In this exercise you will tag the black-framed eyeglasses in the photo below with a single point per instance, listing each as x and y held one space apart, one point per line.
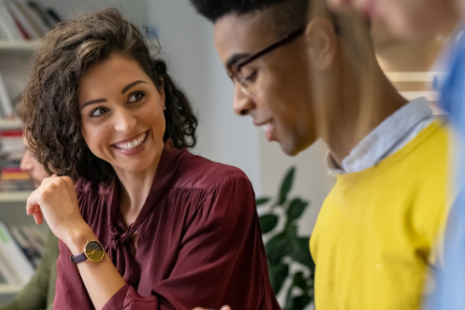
234 70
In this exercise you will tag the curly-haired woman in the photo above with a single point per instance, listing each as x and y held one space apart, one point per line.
147 225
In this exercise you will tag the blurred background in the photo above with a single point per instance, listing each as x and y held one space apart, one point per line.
187 44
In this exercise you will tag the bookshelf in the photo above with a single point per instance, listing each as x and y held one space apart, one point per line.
19 196
17 46
14 60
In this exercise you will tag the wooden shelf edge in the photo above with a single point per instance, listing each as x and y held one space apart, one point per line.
10 123
26 46
17 196
10 289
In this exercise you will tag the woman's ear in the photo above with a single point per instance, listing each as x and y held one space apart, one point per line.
321 41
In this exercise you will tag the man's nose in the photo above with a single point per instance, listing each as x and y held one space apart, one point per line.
242 103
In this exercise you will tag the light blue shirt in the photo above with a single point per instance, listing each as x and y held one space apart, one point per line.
386 139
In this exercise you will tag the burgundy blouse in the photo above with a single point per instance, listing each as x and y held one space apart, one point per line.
198 244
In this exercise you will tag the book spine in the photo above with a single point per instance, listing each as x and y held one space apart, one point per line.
53 15
36 7
32 17
36 241
8 24
6 271
14 257
22 21
5 102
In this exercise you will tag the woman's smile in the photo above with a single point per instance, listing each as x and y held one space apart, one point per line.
129 144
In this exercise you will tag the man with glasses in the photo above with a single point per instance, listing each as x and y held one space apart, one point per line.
302 80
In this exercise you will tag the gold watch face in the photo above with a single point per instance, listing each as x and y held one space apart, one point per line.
94 251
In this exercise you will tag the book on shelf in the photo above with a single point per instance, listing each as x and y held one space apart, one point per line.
3 279
53 15
25 20
22 21
32 247
47 19
13 257
32 17
12 178
36 239
11 142
7 273
6 105
7 24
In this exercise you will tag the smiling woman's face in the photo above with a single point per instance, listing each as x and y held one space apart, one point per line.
407 19
122 114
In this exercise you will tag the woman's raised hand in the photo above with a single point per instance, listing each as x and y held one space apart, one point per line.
56 201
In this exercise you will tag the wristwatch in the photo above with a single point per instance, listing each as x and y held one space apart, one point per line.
93 251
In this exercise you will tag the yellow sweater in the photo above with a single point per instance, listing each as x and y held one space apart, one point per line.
373 239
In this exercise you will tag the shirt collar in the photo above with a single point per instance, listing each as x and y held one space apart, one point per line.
382 140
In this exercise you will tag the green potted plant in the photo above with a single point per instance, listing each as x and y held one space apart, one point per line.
284 247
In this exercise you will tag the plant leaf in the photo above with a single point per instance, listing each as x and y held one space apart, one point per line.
301 253
296 208
286 186
299 281
276 248
261 201
291 231
300 302
278 274
268 222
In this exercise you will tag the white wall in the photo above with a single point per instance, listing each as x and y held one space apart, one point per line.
186 40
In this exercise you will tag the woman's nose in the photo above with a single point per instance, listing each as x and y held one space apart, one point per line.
125 120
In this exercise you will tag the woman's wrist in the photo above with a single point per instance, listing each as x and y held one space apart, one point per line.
77 238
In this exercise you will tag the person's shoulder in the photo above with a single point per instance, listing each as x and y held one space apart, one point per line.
199 172
88 188
91 195
434 141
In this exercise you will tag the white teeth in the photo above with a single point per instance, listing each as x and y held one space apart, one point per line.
266 126
132 144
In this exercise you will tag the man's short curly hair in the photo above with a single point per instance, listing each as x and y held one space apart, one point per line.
50 109
286 15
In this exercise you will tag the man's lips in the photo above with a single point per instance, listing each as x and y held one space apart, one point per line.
267 127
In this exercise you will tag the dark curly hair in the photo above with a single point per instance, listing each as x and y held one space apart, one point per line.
286 15
49 107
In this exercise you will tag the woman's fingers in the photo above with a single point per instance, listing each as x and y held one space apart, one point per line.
38 217
33 208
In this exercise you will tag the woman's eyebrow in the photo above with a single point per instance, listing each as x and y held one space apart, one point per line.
126 88
92 102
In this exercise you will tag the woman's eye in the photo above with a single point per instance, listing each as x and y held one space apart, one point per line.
136 97
98 112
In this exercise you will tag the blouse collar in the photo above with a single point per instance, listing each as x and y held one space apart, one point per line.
164 177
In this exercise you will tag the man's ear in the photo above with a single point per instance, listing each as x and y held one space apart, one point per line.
321 41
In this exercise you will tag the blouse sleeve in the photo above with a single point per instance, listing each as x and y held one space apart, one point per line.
221 259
